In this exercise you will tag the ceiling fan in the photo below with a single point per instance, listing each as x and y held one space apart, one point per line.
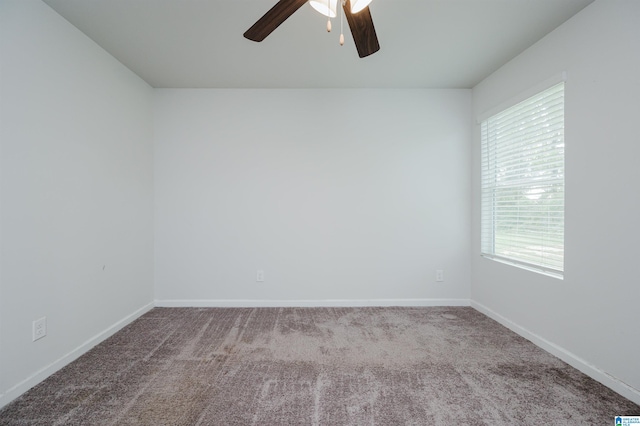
360 22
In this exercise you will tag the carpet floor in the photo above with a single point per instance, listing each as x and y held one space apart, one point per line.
317 366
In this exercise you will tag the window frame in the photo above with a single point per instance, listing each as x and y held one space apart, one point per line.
485 240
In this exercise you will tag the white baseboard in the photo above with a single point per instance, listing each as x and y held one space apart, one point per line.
45 372
590 370
255 303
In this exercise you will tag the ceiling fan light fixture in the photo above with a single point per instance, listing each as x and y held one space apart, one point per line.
358 5
326 7
360 24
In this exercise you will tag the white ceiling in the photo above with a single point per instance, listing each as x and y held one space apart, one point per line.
424 43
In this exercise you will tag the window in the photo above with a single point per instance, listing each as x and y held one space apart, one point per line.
523 183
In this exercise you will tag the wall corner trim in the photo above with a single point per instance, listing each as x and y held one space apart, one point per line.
573 360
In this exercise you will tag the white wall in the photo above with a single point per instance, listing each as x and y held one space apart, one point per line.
591 317
76 189
355 196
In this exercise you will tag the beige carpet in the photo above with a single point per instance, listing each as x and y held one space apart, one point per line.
317 366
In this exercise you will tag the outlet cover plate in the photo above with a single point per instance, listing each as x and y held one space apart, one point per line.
39 328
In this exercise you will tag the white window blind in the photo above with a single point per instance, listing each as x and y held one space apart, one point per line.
523 183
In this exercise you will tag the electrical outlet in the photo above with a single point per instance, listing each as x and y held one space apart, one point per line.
39 328
260 276
439 275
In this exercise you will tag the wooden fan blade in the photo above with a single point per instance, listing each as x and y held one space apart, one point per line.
362 29
272 19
